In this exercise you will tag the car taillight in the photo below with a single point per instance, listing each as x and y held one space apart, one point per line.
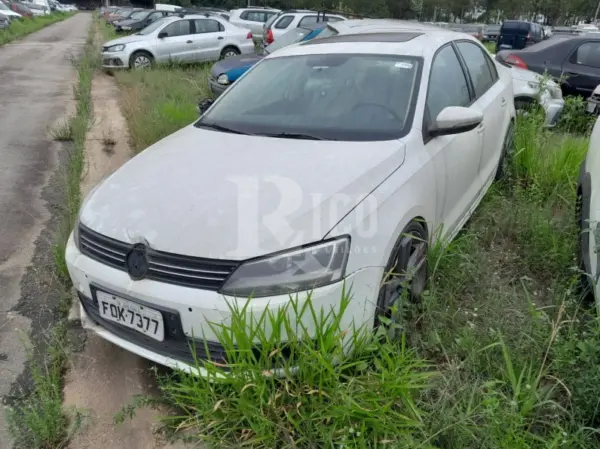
516 61
270 38
249 35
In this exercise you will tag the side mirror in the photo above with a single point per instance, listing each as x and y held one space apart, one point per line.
204 105
455 120
162 35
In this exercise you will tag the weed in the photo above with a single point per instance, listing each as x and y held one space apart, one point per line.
574 117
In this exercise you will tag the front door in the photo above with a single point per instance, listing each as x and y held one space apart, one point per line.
492 100
456 157
177 45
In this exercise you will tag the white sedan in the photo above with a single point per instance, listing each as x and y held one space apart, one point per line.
588 212
182 38
327 168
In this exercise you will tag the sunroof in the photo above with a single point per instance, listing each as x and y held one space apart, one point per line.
365 37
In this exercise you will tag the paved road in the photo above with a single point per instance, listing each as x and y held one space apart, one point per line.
36 79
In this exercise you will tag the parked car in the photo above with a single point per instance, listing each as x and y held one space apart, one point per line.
167 7
563 31
226 71
8 12
491 33
422 120
252 18
588 216
575 60
279 24
4 21
38 10
21 8
122 14
517 34
531 89
186 39
139 20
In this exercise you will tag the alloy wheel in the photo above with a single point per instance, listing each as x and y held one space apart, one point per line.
141 62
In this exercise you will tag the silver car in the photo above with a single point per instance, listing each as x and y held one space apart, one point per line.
183 39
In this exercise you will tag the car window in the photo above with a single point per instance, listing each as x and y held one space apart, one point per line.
155 15
253 16
447 83
587 54
208 26
179 28
477 66
352 97
271 19
269 15
153 26
284 22
308 20
139 15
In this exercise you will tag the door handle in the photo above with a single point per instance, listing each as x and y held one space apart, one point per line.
503 102
220 37
189 42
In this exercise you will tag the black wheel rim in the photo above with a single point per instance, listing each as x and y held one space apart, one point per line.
406 281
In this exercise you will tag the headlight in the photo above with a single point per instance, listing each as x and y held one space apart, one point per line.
76 233
223 79
116 48
556 92
290 271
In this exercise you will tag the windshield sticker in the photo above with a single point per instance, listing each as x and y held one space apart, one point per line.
404 65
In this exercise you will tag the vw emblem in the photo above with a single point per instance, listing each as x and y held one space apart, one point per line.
136 262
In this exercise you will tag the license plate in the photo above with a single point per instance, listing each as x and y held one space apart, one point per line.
132 315
591 107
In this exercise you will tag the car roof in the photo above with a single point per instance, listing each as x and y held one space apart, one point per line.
365 25
392 41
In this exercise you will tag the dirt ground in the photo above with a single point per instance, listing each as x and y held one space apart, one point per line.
103 377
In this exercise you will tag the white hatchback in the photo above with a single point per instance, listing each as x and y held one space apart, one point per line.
252 18
182 38
327 168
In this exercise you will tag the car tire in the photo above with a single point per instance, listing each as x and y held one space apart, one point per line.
582 210
141 60
228 52
507 150
405 277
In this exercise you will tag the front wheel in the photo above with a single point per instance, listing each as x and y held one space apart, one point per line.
507 150
404 279
141 60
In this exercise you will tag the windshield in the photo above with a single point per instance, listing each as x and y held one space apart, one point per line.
349 97
289 38
153 26
139 15
3 7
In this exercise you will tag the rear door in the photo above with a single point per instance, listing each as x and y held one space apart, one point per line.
208 39
178 44
491 99
582 68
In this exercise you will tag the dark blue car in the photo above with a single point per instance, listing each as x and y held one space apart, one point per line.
226 71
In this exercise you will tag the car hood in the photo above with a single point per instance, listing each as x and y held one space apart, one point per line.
210 194
124 40
235 63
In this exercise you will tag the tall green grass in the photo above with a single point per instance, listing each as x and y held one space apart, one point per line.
20 28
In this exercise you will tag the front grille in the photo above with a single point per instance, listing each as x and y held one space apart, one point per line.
195 272
175 345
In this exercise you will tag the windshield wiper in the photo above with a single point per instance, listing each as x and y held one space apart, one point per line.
295 136
223 128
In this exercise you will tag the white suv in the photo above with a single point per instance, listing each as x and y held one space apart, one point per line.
286 20
252 18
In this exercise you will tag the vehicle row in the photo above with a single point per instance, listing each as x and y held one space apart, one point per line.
14 10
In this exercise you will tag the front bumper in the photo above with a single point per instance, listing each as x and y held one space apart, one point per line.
115 60
553 108
188 312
